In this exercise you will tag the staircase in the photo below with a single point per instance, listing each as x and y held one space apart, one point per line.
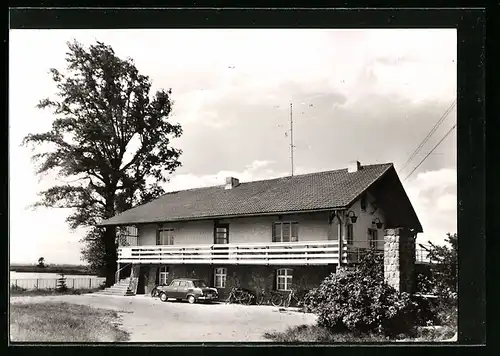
120 288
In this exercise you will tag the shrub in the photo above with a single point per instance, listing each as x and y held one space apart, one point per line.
61 284
361 301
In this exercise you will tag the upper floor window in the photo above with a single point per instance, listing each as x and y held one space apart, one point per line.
221 234
363 202
285 232
165 236
284 278
350 234
372 238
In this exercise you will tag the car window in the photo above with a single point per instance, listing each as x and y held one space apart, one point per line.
174 284
182 284
199 284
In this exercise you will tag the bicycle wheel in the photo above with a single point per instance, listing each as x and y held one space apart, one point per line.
260 300
277 300
247 299
154 293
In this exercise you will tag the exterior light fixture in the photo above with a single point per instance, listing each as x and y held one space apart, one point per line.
353 216
377 222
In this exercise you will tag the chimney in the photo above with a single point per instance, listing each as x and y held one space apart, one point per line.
353 166
231 182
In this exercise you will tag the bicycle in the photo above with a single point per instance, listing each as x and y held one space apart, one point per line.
240 296
292 299
274 298
155 292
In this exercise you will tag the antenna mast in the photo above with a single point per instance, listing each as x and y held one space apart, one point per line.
291 137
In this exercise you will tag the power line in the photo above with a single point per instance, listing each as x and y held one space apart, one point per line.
422 161
417 150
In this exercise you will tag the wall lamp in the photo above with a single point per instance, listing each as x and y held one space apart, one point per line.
377 222
353 216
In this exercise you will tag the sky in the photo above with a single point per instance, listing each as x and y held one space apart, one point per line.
370 95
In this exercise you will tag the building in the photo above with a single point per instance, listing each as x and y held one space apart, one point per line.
272 233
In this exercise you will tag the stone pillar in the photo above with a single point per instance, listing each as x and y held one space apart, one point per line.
134 278
399 259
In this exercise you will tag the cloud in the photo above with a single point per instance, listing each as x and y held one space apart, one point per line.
375 95
434 198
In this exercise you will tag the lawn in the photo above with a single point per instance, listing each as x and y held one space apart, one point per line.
63 322
313 333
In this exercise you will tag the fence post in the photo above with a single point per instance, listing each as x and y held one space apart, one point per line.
16 282
90 283
73 283
37 283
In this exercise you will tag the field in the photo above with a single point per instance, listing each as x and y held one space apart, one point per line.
63 322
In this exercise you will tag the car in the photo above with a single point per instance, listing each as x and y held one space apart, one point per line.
192 290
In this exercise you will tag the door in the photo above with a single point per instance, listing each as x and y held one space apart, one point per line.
173 289
221 234
182 289
165 236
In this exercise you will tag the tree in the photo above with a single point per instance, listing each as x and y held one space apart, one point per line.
41 262
111 142
444 267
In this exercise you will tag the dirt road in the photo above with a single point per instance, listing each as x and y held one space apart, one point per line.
150 320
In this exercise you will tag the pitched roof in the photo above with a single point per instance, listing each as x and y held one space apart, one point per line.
308 192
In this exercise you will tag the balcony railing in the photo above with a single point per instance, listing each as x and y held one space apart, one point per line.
273 253
355 253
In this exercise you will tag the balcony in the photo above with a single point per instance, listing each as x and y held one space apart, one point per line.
273 253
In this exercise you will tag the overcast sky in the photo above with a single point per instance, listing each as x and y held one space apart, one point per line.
367 95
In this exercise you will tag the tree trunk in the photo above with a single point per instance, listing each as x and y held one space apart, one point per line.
110 254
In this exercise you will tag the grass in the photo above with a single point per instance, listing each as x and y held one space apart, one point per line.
63 322
314 333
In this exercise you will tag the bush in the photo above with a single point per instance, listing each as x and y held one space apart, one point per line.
361 301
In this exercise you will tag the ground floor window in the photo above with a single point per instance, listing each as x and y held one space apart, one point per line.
164 272
284 279
220 277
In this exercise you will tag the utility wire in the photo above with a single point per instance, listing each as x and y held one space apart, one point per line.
422 161
417 150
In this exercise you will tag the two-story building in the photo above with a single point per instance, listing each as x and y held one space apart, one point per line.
265 234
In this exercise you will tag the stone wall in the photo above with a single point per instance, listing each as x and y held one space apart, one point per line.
399 259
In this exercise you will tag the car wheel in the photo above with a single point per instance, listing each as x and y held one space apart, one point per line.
163 297
191 299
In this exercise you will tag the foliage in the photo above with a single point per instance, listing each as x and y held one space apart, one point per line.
110 145
443 279
41 262
61 286
362 301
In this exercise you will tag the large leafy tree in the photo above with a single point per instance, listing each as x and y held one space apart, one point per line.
110 145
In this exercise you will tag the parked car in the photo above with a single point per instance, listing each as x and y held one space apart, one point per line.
192 290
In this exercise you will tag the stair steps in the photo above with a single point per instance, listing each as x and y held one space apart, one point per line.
120 288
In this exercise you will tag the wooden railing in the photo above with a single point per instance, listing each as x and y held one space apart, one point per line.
273 253
355 253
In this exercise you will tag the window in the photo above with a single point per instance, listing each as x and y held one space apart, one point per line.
221 234
284 279
164 272
183 284
199 284
363 202
175 283
285 232
372 238
220 277
165 236
350 234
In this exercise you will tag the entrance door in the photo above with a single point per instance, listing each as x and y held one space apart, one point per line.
221 234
